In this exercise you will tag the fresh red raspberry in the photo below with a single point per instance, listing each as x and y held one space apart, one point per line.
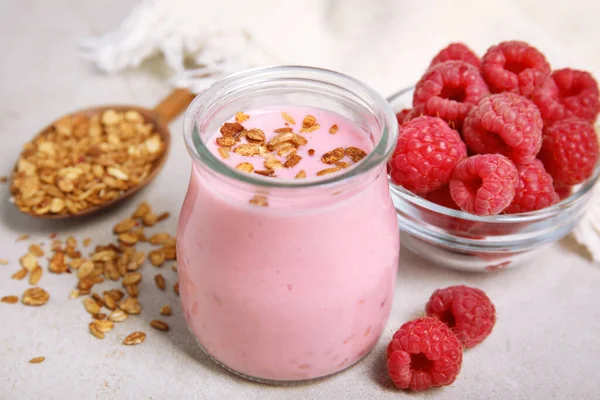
456 51
405 115
570 151
449 90
563 191
484 184
514 67
424 354
442 197
467 311
534 191
426 153
505 123
568 93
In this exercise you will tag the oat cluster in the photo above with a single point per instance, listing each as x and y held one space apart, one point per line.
84 162
281 150
118 262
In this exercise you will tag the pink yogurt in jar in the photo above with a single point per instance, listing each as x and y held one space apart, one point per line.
288 240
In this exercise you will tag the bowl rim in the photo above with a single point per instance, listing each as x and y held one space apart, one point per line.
544 213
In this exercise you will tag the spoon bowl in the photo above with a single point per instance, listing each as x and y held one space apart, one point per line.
159 117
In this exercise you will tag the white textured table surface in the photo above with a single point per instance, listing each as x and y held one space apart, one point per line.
545 344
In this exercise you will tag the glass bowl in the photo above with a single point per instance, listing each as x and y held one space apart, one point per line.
459 240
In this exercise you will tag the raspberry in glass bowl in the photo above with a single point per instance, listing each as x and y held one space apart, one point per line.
456 239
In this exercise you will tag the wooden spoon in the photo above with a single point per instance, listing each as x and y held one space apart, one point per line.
169 108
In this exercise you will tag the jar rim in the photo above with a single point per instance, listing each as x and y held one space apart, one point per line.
380 154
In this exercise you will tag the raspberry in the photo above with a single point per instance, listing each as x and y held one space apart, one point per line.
505 123
562 191
449 90
456 51
467 311
442 197
424 354
426 153
484 184
405 115
534 191
568 93
514 67
570 151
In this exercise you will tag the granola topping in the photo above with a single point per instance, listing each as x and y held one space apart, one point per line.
256 146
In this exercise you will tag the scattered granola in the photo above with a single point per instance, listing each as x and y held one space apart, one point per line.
36 250
82 162
134 338
20 238
95 330
159 325
9 299
160 282
99 316
3 261
35 276
333 130
3 179
91 306
35 296
118 316
130 305
37 360
20 274
166 310
28 262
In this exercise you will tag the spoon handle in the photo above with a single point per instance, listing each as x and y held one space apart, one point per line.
174 104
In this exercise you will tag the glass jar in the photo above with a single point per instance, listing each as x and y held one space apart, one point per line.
302 288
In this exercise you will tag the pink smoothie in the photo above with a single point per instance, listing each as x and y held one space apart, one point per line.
300 286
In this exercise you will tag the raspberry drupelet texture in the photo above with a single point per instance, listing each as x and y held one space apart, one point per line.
534 191
514 67
456 51
570 151
467 311
505 123
426 153
424 354
568 93
449 90
484 184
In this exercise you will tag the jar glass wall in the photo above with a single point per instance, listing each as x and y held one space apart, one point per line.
302 288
